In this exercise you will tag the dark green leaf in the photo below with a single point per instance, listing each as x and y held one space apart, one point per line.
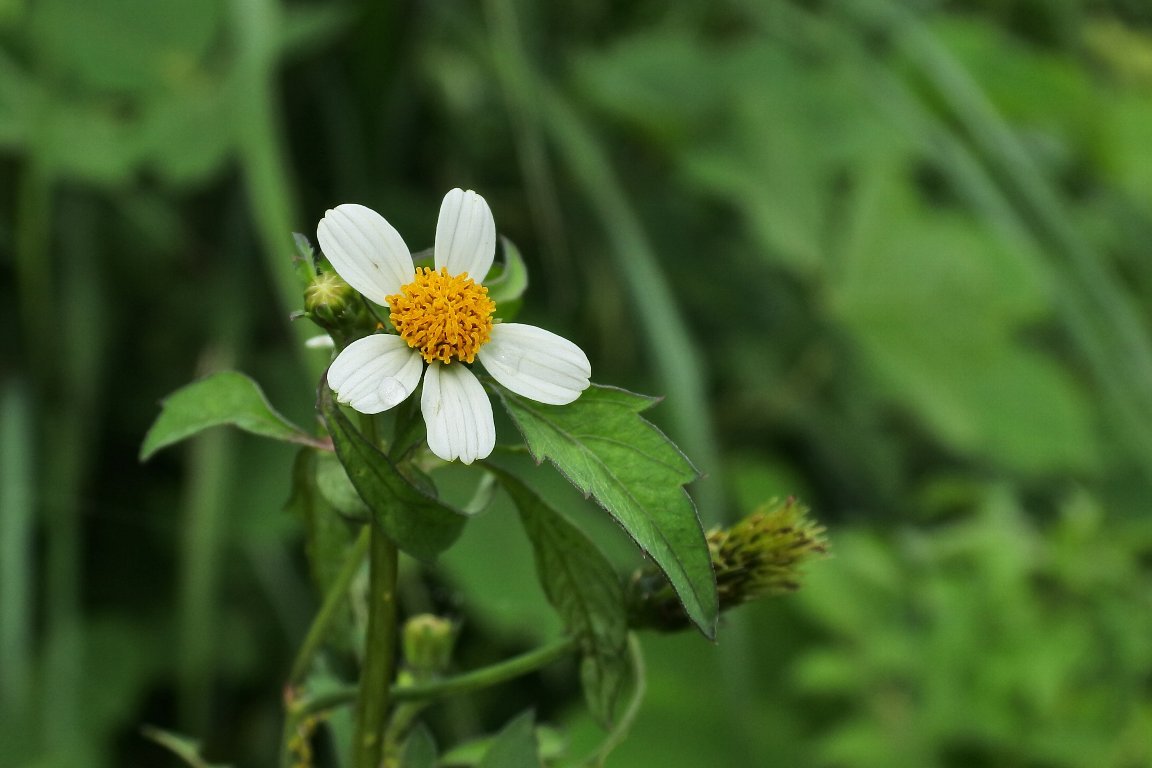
515 746
607 450
419 750
584 589
227 397
419 524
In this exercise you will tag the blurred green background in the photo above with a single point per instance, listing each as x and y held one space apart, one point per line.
890 257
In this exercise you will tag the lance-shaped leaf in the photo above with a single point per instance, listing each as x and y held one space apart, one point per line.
227 397
584 589
419 524
611 453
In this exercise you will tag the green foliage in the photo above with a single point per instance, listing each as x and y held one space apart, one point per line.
515 746
419 750
326 529
585 589
607 450
984 637
890 257
419 524
188 750
507 281
937 306
222 398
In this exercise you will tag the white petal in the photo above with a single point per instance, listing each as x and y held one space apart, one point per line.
536 363
366 251
465 235
457 413
323 341
375 373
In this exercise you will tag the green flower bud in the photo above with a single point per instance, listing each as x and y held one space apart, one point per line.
327 295
759 556
428 642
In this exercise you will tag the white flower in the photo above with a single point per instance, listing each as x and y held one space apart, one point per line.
444 319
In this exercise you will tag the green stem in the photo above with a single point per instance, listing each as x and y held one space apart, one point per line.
374 695
465 683
337 593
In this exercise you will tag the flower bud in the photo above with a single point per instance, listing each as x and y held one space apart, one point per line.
327 295
428 642
759 556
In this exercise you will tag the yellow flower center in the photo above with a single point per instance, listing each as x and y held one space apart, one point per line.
444 317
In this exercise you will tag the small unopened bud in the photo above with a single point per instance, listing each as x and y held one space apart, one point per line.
327 295
761 555
428 642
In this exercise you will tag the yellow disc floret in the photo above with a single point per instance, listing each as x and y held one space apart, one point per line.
444 317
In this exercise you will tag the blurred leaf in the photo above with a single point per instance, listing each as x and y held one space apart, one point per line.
515 746
418 524
504 590
337 490
183 747
327 535
222 398
309 26
664 83
420 749
186 135
17 93
126 45
88 139
1060 98
936 304
551 746
607 450
1125 153
585 590
739 120
17 529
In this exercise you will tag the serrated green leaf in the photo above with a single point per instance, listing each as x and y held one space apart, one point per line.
584 589
607 450
420 749
227 397
419 524
515 746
